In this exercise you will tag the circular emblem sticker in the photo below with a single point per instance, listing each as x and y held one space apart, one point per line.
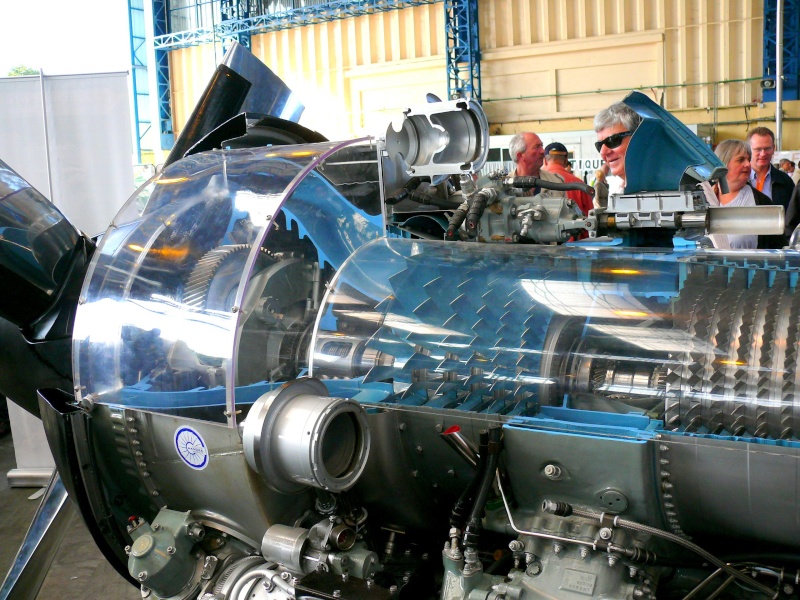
191 448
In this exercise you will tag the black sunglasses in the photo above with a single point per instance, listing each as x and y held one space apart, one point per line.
613 141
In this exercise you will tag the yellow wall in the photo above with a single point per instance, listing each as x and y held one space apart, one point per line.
547 65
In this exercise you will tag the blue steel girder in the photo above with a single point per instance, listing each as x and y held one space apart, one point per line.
141 93
463 49
160 29
236 10
280 20
791 48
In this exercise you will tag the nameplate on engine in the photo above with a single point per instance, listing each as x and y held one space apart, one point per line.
578 581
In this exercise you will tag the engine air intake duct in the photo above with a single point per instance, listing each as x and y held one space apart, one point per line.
296 436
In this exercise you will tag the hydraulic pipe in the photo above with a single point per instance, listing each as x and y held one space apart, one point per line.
456 440
473 529
533 182
458 513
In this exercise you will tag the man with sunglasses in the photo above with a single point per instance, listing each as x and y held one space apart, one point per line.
766 178
527 152
614 127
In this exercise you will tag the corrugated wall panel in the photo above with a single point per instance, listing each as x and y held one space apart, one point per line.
190 70
323 63
543 60
702 43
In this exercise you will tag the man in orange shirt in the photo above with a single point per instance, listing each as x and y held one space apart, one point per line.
767 179
556 161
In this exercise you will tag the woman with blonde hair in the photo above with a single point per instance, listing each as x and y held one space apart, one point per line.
736 155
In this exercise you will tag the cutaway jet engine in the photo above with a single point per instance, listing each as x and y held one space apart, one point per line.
334 370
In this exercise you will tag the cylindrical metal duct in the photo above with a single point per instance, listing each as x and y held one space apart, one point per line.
296 436
283 544
743 220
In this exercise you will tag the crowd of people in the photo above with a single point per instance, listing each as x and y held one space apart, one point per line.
752 179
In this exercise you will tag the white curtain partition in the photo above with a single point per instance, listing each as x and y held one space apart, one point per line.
70 137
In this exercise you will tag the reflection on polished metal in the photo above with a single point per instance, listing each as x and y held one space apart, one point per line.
739 221
273 287
296 436
40 545
440 138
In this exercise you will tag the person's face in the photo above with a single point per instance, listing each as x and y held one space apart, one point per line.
763 149
530 161
738 171
614 157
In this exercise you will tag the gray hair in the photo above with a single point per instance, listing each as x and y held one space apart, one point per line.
728 149
516 146
618 113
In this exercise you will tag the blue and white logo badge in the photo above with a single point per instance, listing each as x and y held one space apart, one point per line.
191 448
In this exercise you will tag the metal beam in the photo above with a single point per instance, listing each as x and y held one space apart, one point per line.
463 49
141 94
236 11
277 18
161 26
791 48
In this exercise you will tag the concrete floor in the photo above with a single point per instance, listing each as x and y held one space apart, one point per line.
79 571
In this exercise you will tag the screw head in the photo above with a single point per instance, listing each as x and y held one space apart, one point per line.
533 569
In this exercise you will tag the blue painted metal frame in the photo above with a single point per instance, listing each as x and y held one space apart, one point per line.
237 22
160 27
236 10
279 20
463 49
791 48
141 91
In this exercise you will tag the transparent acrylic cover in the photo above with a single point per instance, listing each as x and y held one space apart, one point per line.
210 277
697 341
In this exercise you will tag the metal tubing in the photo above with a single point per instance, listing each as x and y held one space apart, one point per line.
46 138
456 440
534 533
739 220
40 545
